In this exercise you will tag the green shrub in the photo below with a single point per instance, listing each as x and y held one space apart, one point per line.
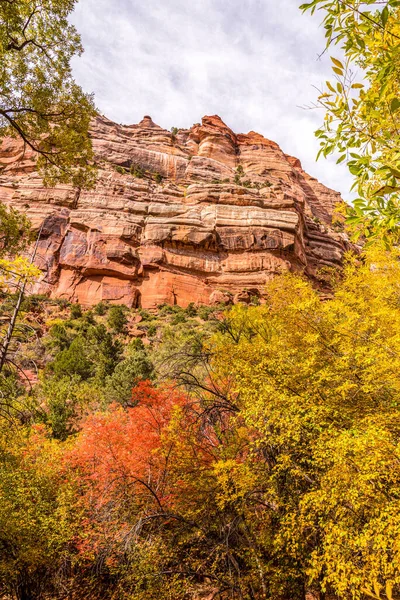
116 319
76 311
136 171
58 337
204 312
238 175
33 303
152 330
100 308
191 309
135 345
65 399
127 373
179 317
88 317
73 361
158 177
166 309
146 316
120 169
103 351
61 405
62 302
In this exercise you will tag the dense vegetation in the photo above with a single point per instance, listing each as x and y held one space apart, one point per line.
243 452
250 452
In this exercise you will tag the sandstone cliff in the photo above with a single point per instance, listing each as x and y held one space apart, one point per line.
177 218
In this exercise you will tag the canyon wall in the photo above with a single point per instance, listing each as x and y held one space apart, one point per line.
199 215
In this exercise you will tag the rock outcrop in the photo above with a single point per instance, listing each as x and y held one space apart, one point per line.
186 217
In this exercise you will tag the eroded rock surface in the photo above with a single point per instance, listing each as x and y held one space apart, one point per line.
175 218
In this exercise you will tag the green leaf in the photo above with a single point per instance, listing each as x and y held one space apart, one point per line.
386 189
338 71
361 43
352 220
385 16
359 202
309 5
394 105
354 169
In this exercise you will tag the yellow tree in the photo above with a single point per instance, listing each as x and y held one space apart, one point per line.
37 525
317 386
362 106
16 273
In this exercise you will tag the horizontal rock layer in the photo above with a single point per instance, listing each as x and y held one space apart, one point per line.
190 217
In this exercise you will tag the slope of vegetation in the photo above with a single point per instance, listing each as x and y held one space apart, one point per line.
251 453
254 454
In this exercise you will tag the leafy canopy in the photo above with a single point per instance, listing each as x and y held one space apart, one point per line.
14 230
39 99
362 106
275 473
36 525
317 386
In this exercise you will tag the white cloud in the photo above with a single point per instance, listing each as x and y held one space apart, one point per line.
253 62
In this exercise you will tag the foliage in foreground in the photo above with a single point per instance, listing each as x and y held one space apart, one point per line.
362 106
40 103
275 473
16 272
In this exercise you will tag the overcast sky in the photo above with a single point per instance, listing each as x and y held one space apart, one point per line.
252 62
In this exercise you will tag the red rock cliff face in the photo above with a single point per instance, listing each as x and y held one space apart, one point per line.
214 212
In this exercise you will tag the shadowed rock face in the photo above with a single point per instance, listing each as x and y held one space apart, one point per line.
215 212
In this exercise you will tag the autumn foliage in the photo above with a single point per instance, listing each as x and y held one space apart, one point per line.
273 475
122 465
